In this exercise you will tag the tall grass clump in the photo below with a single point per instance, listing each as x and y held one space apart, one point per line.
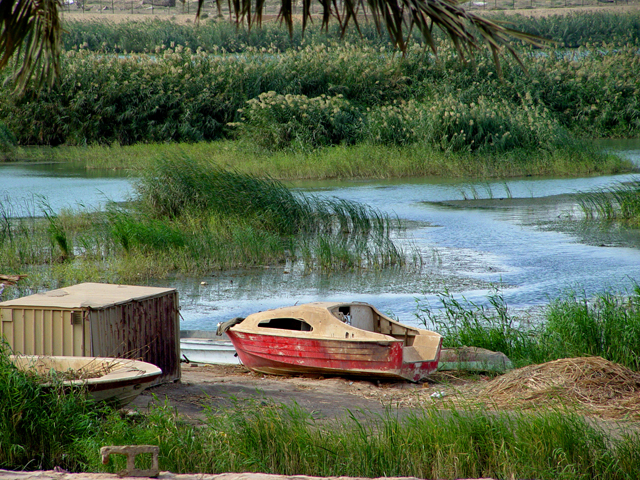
485 125
39 424
177 186
465 323
607 326
618 202
279 122
431 443
195 216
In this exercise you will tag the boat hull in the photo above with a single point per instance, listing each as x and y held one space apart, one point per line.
282 355
124 381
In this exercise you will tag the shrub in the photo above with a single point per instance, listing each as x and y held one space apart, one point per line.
280 122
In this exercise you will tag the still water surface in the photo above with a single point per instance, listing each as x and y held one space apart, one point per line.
534 246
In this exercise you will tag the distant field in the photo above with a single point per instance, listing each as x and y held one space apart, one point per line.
124 10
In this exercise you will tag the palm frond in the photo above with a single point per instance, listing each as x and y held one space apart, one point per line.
30 32
466 30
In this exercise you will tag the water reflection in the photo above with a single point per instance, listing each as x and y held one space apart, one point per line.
23 187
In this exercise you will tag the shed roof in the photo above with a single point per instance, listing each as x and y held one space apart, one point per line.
91 295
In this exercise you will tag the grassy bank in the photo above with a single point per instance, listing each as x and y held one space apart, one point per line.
573 325
357 161
430 443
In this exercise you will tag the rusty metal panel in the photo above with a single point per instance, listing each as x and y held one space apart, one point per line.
145 329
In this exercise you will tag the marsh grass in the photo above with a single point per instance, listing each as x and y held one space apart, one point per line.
193 216
571 326
428 443
38 424
180 185
608 326
618 202
465 323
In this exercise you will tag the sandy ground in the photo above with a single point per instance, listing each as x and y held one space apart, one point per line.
219 386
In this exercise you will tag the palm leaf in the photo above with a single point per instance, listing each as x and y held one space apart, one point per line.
30 32
466 30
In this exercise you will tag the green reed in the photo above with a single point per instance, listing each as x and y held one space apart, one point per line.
428 443
494 327
607 325
618 202
192 216
179 185
39 425
577 29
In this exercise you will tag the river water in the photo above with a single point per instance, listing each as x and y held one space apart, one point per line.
523 234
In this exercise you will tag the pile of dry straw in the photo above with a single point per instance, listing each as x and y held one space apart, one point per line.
598 386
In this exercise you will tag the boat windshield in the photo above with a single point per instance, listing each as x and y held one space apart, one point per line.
287 324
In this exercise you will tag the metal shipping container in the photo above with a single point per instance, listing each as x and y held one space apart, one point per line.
97 319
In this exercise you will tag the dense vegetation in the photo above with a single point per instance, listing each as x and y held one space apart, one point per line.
275 95
39 424
573 325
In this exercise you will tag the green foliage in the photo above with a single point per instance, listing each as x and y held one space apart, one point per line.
487 125
141 37
607 326
464 323
429 443
39 424
278 122
575 29
175 92
619 202
192 216
7 139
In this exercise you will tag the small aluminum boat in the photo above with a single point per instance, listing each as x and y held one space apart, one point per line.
114 380
202 346
326 338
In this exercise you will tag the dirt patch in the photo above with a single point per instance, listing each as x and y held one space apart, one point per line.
220 386
596 388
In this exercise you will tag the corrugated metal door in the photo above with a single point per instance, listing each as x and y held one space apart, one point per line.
146 329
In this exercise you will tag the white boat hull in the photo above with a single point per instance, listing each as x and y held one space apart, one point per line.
117 380
206 350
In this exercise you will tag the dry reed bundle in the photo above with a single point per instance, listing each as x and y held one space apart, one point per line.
599 386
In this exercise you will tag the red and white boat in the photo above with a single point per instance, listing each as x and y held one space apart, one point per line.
333 339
